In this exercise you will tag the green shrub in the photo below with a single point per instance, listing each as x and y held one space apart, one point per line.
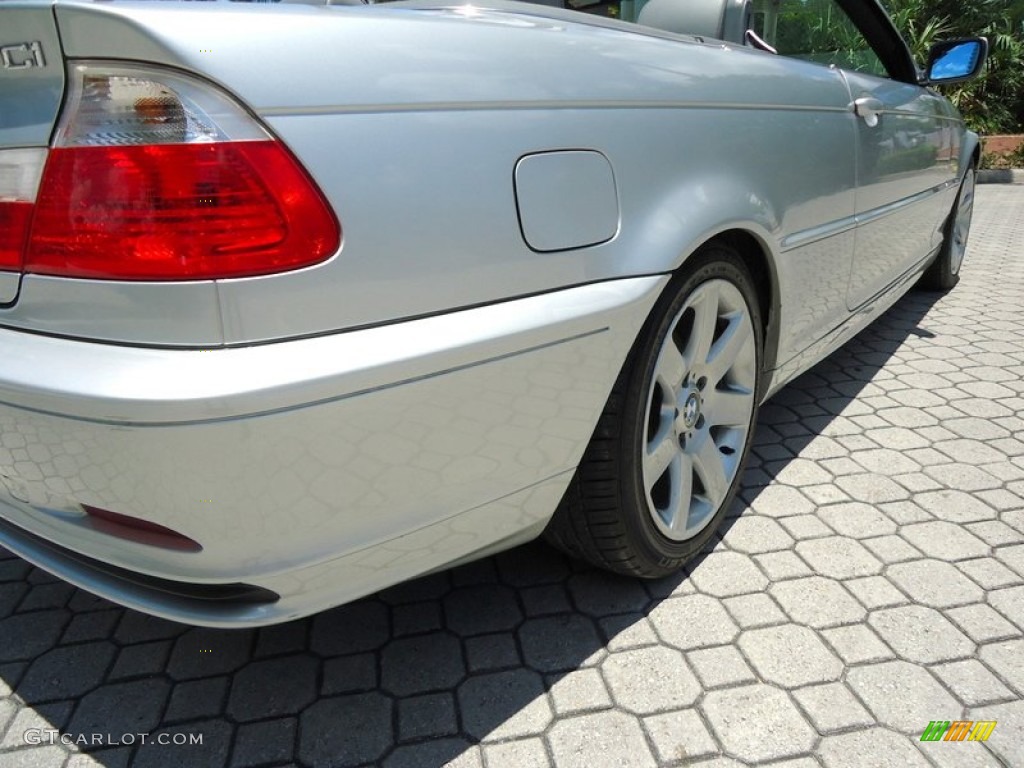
994 102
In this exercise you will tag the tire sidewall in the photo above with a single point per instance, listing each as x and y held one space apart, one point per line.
950 240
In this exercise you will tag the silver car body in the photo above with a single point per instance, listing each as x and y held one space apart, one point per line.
515 184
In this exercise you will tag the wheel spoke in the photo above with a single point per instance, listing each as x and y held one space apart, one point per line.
657 461
703 333
671 368
682 498
710 469
730 346
727 408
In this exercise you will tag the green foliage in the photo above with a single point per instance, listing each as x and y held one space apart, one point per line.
920 29
994 102
816 30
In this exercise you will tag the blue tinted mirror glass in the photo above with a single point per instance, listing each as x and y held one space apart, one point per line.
956 62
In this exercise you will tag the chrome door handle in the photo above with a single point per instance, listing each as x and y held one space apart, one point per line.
869 108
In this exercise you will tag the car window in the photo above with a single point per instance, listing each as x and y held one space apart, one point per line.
815 30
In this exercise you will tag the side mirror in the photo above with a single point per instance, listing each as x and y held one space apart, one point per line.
954 61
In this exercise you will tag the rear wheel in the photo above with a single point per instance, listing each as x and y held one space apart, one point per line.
666 458
944 272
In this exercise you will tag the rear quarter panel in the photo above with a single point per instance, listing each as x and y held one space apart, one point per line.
412 122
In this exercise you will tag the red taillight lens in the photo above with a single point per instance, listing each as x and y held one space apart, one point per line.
177 212
15 216
19 180
156 175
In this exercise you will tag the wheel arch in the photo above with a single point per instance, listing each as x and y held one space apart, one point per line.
758 259
970 153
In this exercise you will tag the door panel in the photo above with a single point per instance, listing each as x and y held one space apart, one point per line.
905 142
904 145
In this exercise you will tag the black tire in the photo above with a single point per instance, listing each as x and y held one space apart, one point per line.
944 272
622 511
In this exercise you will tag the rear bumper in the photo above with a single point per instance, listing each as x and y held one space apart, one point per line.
321 469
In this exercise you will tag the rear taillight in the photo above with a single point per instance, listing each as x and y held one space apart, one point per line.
155 175
20 170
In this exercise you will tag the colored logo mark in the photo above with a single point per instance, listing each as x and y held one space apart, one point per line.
958 730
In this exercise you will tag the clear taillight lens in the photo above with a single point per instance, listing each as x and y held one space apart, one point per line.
155 175
20 170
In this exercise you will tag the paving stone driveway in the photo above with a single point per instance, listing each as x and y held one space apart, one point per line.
871 580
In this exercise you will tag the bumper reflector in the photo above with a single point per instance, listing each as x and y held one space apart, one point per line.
138 531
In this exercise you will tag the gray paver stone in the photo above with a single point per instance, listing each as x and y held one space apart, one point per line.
628 631
272 688
831 707
945 541
694 621
971 682
361 626
873 488
724 574
451 753
782 501
67 672
935 583
504 705
921 634
891 549
350 729
600 739
720 666
857 520
27 635
431 715
649 680
838 557
982 623
756 534
197 698
790 655
579 691
598 593
902 695
206 652
1010 603
817 602
757 722
556 643
267 742
1006 659
757 610
516 754
349 674
783 565
989 573
481 609
680 737
876 747
1007 740
421 664
956 506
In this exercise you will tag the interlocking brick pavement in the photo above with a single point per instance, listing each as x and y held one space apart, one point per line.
870 580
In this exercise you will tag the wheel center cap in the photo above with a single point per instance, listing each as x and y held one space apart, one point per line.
691 410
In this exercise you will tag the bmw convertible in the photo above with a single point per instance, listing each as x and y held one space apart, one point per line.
299 300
